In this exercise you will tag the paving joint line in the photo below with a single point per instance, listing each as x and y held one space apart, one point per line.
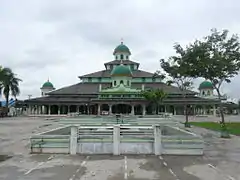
77 171
39 165
125 168
169 169
218 170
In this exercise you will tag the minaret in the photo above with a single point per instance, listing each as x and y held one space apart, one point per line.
206 89
46 87
122 52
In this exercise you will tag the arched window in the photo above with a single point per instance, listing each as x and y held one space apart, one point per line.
121 82
127 57
203 93
121 56
115 83
116 57
208 93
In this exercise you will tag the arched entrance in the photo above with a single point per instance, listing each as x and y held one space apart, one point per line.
73 108
121 109
105 107
93 109
138 109
63 109
149 109
54 109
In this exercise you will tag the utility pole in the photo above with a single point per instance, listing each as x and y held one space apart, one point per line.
29 96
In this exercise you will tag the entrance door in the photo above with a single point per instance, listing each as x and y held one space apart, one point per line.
121 109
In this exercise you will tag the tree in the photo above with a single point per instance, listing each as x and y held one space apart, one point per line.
176 70
9 84
216 58
155 97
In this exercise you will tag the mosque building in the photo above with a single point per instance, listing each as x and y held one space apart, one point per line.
117 89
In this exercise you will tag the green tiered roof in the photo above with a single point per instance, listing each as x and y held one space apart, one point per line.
122 48
206 85
121 70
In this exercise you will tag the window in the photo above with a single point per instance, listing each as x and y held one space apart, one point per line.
132 67
208 93
121 56
128 83
114 83
116 57
90 79
143 79
203 93
126 57
99 79
121 82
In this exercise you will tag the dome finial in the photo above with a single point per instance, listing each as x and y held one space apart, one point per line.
121 40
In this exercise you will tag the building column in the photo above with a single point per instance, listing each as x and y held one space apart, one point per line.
110 109
78 109
194 109
214 110
132 111
174 110
73 140
204 110
116 140
157 140
88 109
33 110
165 109
59 109
43 109
144 109
29 110
99 109
68 109
49 109
38 111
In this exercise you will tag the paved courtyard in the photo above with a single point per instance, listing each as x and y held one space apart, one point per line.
221 160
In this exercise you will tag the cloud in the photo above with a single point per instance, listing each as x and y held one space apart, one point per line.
61 39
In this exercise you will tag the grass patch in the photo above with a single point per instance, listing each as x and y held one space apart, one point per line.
233 128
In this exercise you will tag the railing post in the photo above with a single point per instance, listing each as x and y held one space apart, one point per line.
73 140
157 140
116 140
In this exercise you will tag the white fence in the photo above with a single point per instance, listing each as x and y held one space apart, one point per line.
117 139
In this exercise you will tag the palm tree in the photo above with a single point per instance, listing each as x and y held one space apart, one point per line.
9 83
155 97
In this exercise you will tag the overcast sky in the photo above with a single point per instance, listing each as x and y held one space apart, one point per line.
62 39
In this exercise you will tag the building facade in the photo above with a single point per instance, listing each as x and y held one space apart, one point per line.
117 89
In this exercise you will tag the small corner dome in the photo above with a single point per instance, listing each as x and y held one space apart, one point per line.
48 84
206 85
121 70
122 48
